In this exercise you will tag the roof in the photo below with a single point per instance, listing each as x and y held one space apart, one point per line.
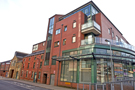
39 42
6 61
20 54
91 2
35 53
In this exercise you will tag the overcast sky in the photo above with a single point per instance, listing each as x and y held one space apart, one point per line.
24 22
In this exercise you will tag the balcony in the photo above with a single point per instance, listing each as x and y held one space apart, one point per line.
97 40
91 26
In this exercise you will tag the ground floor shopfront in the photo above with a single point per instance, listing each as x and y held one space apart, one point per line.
79 65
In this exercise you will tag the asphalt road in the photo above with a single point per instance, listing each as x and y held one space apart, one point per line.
13 85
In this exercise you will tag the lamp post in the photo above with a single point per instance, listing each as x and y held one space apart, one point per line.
111 60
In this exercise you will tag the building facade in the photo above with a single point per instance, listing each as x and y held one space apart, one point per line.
16 64
4 69
78 49
32 64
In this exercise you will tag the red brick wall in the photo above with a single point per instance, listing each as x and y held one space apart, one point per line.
37 68
105 24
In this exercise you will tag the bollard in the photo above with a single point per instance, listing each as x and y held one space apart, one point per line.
96 86
77 86
83 86
134 85
103 87
121 84
90 86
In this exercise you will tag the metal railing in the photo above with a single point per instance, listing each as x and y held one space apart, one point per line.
99 40
118 85
89 24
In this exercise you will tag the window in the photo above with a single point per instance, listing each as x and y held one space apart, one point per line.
43 43
29 59
117 39
35 58
54 61
39 75
56 44
35 47
40 64
57 31
28 65
64 41
65 28
46 62
112 34
86 11
108 30
41 56
26 73
34 65
74 24
74 39
32 74
21 73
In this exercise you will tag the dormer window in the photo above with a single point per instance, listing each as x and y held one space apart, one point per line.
35 47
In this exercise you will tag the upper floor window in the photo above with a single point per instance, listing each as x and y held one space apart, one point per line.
34 65
64 41
65 28
117 39
29 59
43 43
41 56
112 34
40 64
74 24
74 39
56 44
35 47
28 65
35 58
57 31
108 30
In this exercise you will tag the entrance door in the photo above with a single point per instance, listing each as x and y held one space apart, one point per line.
44 78
12 72
35 76
52 79
16 74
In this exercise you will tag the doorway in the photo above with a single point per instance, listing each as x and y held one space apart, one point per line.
52 79
16 74
45 78
12 73
35 77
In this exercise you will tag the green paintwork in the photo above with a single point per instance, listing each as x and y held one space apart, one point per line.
93 71
78 67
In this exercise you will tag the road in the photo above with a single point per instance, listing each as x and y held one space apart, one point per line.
13 85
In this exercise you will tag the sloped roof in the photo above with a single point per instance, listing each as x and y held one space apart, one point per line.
20 54
6 61
35 53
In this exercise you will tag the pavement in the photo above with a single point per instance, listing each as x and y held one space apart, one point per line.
51 87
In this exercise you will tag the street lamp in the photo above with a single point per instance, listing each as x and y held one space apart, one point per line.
111 59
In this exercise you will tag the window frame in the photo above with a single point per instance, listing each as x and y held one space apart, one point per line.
57 42
57 31
65 28
74 24
72 39
64 41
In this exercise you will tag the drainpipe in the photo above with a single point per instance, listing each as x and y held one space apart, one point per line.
59 52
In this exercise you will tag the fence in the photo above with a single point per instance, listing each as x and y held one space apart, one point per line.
118 85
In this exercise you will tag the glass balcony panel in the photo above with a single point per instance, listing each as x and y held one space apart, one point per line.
99 40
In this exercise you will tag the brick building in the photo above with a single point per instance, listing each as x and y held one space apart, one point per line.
32 63
4 69
16 64
78 49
